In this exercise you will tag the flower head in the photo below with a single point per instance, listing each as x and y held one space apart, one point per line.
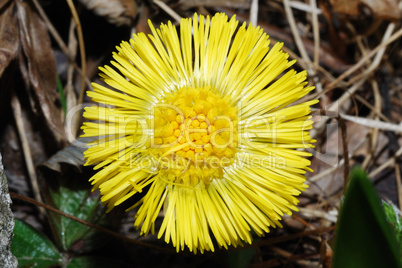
204 125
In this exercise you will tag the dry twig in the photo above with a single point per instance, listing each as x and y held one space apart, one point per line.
83 57
168 10
295 32
361 62
15 103
89 224
254 12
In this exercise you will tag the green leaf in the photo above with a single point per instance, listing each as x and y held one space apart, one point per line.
68 190
78 202
392 214
32 248
363 236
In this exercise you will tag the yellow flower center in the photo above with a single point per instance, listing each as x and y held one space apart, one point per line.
195 136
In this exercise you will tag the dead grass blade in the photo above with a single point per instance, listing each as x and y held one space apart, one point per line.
373 123
15 104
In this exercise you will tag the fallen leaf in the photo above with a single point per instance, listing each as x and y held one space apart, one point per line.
3 3
9 38
118 12
215 3
41 65
32 248
384 9
73 155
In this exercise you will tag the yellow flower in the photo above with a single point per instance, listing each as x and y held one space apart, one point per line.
203 124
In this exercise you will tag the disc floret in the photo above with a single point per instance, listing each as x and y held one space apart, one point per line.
195 135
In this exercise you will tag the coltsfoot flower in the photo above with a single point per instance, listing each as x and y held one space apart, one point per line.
202 121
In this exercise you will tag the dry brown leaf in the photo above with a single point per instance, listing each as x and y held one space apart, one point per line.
382 9
73 155
3 3
40 65
9 37
118 12
216 3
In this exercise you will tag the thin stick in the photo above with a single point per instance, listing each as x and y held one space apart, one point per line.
375 131
303 7
168 10
69 87
305 223
378 57
362 78
82 52
270 241
373 123
345 152
329 171
325 173
254 12
314 213
348 93
337 105
342 125
295 32
316 34
293 55
89 224
368 105
386 164
15 103
59 40
51 28
361 62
